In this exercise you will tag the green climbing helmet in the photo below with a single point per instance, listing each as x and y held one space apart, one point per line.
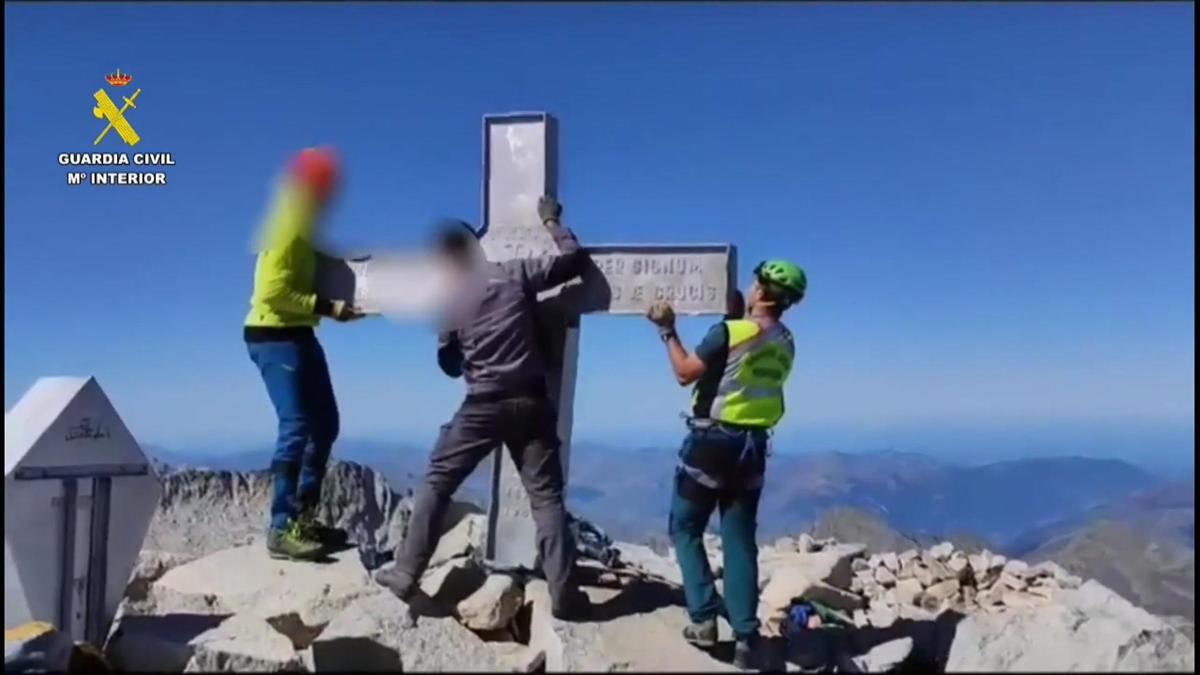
784 275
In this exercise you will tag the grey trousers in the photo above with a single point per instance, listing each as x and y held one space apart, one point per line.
528 427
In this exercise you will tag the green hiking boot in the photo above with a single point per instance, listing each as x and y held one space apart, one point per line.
292 543
703 634
314 529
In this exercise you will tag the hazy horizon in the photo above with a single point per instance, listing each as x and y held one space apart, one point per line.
1167 452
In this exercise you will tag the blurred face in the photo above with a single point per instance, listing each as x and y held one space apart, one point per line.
457 249
316 170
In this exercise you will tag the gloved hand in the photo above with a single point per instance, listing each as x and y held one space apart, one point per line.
549 208
343 311
662 315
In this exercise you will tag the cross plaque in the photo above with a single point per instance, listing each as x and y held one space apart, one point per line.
520 153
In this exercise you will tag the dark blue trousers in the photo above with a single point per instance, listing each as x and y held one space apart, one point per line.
297 379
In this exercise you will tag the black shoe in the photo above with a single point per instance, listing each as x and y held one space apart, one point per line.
745 654
703 634
399 583
574 606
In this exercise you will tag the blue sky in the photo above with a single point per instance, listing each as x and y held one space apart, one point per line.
994 203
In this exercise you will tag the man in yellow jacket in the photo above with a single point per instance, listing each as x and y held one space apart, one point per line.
284 309
739 370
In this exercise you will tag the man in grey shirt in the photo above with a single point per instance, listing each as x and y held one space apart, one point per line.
490 337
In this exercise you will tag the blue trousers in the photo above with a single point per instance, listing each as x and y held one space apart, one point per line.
297 379
732 464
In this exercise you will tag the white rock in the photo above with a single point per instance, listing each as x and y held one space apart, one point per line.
960 568
827 542
832 565
907 591
889 598
884 576
909 555
1016 568
891 561
1070 582
985 577
466 537
1020 599
881 616
429 643
354 640
150 567
924 575
494 605
245 579
937 595
967 595
1088 629
645 560
805 543
942 551
1010 581
1042 591
884 657
860 619
175 642
989 597
790 584
242 643
453 581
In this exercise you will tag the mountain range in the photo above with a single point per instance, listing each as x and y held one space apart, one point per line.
1100 518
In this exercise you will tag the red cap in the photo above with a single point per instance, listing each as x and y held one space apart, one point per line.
316 169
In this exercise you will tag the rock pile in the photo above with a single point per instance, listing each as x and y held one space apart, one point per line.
896 585
879 589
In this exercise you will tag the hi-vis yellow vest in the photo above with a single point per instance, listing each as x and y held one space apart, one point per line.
759 362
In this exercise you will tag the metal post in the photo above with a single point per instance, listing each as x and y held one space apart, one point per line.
66 579
95 626
97 576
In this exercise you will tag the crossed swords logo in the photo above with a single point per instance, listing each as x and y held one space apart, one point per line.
106 109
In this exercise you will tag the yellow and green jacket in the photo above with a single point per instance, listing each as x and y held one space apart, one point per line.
285 273
746 368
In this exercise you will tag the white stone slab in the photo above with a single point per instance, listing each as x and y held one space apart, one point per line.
66 426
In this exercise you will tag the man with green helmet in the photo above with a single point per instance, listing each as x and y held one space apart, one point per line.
739 370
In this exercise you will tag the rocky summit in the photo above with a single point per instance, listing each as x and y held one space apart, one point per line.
205 596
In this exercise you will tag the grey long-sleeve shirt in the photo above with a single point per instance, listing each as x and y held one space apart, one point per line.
494 342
